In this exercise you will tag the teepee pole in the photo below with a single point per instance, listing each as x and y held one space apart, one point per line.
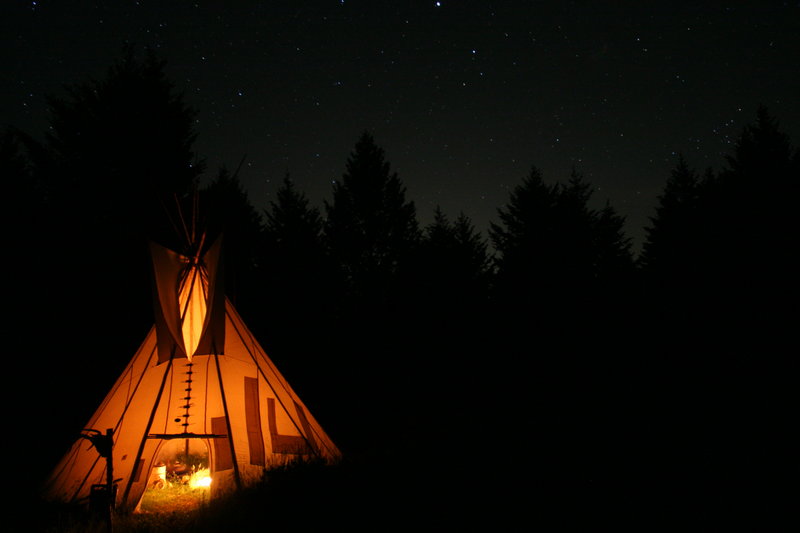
236 475
138 456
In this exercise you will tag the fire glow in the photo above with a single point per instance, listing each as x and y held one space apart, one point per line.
200 479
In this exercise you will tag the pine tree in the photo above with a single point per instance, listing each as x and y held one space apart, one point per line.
752 217
299 281
554 252
613 259
438 234
474 250
526 227
371 228
671 239
574 254
118 151
719 251
299 272
762 151
454 265
227 211
120 148
116 159
371 232
292 224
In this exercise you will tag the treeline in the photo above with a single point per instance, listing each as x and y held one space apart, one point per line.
549 334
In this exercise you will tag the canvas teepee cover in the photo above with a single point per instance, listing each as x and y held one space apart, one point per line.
199 378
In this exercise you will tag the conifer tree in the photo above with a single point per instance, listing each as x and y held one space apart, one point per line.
525 228
121 147
438 234
299 274
299 282
553 251
751 218
371 228
671 237
613 259
475 252
115 161
455 263
226 211
118 151
718 249
292 224
763 151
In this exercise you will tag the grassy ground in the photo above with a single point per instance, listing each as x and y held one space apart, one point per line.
387 495
176 497
370 496
440 481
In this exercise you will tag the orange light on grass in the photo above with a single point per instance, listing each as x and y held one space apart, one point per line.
200 479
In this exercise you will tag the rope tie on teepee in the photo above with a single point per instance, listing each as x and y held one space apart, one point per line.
187 398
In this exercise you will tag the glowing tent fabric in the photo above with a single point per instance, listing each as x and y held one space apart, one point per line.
214 387
189 302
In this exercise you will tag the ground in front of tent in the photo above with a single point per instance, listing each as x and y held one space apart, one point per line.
180 479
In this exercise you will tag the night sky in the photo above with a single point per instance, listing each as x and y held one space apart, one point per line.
464 96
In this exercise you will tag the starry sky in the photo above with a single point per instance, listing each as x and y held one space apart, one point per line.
464 96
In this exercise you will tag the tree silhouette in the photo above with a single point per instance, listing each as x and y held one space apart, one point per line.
755 220
117 151
454 267
525 227
121 147
669 242
720 272
763 151
371 231
554 251
294 228
472 248
722 243
451 289
559 317
371 228
115 158
749 222
438 234
613 259
227 211
298 275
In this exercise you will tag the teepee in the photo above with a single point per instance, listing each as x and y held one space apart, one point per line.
199 380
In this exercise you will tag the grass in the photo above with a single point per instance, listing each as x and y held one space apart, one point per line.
176 497
392 493
394 489
419 487
283 494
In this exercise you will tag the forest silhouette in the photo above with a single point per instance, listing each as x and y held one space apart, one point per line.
545 351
